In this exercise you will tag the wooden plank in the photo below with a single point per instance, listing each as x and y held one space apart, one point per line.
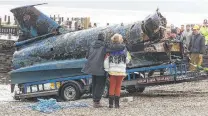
0 22
9 20
15 21
5 18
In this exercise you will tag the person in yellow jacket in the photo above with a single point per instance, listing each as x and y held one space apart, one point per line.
204 31
196 48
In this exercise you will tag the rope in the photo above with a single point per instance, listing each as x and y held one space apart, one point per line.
49 106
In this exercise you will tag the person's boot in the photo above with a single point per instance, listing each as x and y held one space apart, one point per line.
96 105
111 100
117 99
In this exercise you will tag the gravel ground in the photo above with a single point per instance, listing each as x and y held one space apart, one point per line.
186 99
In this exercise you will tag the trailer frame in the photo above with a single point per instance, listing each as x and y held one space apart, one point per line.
136 80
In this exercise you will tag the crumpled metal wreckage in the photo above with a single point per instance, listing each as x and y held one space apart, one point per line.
46 51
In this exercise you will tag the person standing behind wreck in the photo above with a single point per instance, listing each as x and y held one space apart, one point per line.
204 31
187 35
179 35
181 32
196 48
173 35
115 65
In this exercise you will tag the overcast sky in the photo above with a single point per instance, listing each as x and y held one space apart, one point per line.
183 6
176 11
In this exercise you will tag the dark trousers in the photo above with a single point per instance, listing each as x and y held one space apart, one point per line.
98 85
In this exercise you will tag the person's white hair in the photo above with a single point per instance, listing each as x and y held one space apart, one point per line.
117 38
168 30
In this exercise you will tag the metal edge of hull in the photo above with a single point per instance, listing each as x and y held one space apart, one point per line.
34 76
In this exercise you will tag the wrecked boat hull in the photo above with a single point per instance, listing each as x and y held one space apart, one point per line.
43 49
47 71
66 68
74 46
70 68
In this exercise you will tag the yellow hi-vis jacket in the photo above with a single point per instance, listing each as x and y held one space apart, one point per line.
204 32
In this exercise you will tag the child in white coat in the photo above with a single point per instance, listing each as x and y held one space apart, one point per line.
115 64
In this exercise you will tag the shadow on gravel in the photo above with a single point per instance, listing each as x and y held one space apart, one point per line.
53 97
164 93
151 93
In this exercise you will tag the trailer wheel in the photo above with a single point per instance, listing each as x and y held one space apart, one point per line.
16 98
134 90
140 89
131 90
70 92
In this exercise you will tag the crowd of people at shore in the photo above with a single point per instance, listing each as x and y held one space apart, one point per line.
194 39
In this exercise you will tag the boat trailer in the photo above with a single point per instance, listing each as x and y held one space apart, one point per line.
72 88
